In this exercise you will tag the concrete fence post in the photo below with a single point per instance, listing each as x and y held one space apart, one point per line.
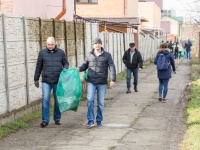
26 60
5 62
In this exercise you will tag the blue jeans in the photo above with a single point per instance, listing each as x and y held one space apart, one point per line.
46 94
163 87
101 90
188 54
128 77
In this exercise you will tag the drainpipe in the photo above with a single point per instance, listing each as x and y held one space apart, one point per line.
63 11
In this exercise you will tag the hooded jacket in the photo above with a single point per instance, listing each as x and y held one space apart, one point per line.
165 74
136 60
98 67
50 64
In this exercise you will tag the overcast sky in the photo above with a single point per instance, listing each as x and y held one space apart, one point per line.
177 5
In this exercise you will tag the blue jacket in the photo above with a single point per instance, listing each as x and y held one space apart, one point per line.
165 74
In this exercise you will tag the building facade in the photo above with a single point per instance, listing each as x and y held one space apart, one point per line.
45 9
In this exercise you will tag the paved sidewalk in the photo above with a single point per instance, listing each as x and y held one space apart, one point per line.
136 121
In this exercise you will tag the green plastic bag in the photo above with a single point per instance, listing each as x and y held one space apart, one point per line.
69 90
85 76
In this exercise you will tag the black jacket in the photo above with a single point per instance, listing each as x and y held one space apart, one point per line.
136 61
188 46
50 63
98 67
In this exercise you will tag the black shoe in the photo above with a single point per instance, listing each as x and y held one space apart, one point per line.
44 124
128 91
57 122
135 88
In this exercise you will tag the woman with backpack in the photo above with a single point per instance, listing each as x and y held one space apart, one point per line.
165 63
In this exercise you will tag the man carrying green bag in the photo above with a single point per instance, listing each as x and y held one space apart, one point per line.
69 90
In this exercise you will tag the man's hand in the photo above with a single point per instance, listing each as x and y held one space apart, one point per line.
112 84
140 69
36 83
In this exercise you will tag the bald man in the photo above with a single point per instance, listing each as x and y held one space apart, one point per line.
51 61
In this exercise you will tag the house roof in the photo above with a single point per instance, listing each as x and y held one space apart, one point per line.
122 22
177 18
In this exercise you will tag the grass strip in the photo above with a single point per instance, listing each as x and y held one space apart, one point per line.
191 139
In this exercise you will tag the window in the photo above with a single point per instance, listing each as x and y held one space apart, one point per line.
86 1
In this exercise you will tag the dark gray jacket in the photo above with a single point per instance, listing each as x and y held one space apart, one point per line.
50 63
98 67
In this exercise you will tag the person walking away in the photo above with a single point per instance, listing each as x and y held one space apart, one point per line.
164 75
184 51
133 60
170 46
176 50
51 61
97 61
188 45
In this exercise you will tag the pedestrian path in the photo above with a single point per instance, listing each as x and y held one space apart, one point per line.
135 121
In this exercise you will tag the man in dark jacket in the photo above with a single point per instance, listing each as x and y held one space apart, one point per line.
188 45
133 60
97 62
51 61
170 46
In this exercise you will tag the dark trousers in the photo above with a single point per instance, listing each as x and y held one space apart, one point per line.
128 77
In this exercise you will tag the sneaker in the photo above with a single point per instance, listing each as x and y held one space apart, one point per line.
44 124
128 91
160 98
90 124
164 100
57 122
99 124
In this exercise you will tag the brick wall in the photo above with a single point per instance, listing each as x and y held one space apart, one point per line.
6 6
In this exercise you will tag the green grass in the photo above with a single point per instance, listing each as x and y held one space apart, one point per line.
192 136
121 76
21 123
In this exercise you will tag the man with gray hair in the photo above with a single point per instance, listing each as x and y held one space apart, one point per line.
51 61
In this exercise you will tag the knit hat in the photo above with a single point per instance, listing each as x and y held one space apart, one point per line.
97 40
132 44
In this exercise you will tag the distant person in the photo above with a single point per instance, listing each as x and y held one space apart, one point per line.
188 45
176 51
51 61
97 63
164 75
170 46
133 61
